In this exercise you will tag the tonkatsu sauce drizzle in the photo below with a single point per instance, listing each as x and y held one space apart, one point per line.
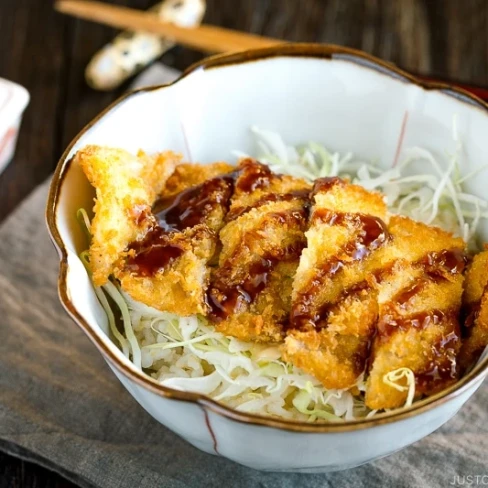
237 212
153 253
440 264
436 266
227 293
389 324
193 206
372 234
253 176
442 367
323 185
189 208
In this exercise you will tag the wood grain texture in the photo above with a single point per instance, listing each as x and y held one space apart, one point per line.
15 473
48 53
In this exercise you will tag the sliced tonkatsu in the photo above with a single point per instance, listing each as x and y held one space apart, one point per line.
126 186
158 254
334 304
374 295
250 289
169 268
475 303
419 298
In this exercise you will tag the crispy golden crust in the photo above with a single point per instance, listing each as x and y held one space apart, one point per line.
189 174
256 183
248 244
336 355
334 307
168 269
475 302
251 288
124 229
126 185
178 287
419 298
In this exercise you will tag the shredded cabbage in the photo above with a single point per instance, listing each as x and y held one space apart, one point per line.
434 196
394 379
186 353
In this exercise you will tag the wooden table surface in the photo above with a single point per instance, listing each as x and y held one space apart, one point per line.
47 53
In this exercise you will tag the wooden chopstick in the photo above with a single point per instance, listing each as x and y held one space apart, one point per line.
205 38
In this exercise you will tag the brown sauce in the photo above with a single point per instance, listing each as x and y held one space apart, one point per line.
226 295
270 198
372 234
403 297
254 176
361 358
435 376
451 259
223 299
471 313
389 324
372 231
325 184
441 369
448 261
435 265
194 205
289 217
189 208
140 213
449 342
322 313
153 253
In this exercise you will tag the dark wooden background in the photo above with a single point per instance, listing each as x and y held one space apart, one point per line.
47 53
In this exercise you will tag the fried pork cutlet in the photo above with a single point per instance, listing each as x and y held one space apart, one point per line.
168 268
189 174
419 299
160 258
334 303
475 303
250 290
126 186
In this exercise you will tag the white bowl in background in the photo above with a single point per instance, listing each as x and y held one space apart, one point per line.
342 98
13 100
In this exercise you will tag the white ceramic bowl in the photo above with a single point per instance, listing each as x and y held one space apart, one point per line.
343 98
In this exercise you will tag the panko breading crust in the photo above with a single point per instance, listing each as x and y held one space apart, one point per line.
476 308
392 306
126 186
250 290
179 285
187 175
419 298
334 306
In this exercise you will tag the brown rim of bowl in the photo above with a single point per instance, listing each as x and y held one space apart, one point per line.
283 50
